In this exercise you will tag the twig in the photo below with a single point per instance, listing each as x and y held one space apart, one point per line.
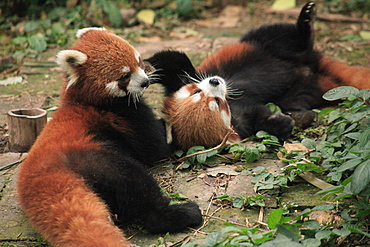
11 165
226 137
261 223
260 215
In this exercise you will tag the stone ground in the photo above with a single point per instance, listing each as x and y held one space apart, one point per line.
196 185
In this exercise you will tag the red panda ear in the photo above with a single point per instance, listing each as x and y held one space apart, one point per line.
82 31
68 60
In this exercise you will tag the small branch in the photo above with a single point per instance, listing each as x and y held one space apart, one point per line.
10 165
226 137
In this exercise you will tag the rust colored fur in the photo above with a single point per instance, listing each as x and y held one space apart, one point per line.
203 127
228 52
334 73
89 162
57 201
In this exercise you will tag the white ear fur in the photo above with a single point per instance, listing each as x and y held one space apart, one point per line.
85 30
68 60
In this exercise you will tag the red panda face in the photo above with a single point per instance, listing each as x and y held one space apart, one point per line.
198 114
101 65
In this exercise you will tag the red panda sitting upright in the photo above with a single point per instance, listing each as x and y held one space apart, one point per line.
89 161
273 63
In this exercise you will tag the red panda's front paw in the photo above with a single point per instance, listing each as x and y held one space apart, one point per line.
174 218
280 125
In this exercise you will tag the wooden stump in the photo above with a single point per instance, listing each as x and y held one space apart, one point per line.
24 127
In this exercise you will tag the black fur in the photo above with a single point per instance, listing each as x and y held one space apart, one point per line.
282 68
119 175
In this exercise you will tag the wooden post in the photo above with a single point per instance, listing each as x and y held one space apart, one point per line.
24 127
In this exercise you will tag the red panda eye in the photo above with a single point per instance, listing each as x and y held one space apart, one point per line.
197 91
124 77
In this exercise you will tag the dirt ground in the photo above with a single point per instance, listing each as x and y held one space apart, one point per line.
197 38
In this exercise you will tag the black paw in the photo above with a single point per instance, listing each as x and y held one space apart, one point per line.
306 20
174 218
279 125
303 119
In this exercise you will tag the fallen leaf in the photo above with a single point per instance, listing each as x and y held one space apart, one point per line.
214 171
283 4
11 80
365 35
294 147
146 15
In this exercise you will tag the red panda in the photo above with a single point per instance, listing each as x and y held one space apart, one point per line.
89 161
273 63
204 108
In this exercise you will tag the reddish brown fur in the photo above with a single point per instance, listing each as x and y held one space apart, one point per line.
334 74
226 53
99 66
68 208
197 131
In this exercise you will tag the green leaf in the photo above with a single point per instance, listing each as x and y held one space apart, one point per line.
184 7
274 218
291 231
342 232
323 207
274 108
312 224
214 238
37 42
323 235
309 143
114 16
31 26
365 35
341 92
361 177
178 196
238 203
311 242
251 154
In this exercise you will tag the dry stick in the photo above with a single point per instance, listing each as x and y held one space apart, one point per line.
229 132
260 215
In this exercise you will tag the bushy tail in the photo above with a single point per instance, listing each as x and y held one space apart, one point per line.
65 211
333 73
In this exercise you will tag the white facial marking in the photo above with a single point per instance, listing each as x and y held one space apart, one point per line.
214 90
137 55
213 106
226 118
126 69
183 93
68 60
85 30
137 79
196 97
114 90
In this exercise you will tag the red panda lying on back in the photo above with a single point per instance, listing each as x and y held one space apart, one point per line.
89 161
204 109
274 63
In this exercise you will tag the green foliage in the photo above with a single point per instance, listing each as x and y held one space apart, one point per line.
264 180
244 201
197 161
348 6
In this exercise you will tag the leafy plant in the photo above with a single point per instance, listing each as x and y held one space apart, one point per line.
244 201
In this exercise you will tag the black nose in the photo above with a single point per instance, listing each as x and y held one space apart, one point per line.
145 83
214 81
